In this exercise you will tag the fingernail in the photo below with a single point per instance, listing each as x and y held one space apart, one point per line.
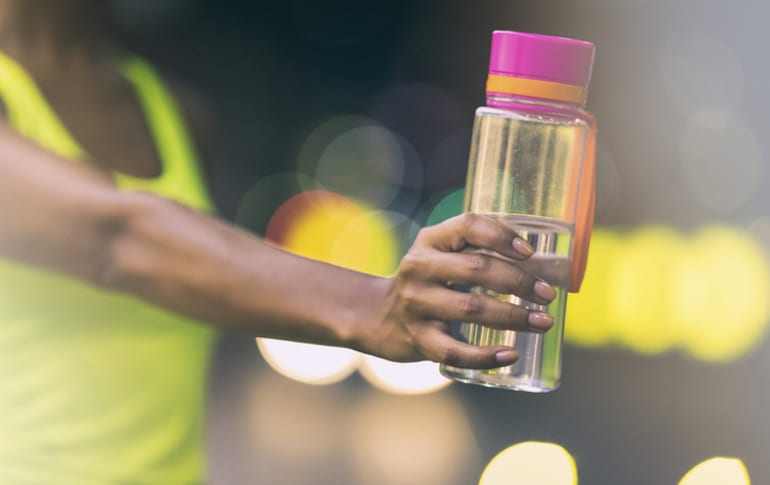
540 320
523 247
506 357
544 291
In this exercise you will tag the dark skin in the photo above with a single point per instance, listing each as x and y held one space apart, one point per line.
68 217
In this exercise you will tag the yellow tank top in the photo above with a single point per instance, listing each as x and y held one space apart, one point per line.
97 387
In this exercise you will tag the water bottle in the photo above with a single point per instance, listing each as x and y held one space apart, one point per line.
532 167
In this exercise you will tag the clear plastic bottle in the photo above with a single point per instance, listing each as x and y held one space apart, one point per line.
532 166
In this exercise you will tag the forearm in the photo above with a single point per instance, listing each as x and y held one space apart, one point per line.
212 271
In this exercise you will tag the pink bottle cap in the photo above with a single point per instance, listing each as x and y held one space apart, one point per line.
542 57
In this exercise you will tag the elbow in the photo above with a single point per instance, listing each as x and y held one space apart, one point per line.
126 258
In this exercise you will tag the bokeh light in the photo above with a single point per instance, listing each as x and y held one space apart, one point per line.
700 71
401 228
734 308
721 160
718 471
420 439
588 319
654 289
288 428
329 227
639 293
402 378
361 159
449 206
531 463
365 162
308 363
259 204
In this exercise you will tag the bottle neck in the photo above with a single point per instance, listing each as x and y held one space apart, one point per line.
513 101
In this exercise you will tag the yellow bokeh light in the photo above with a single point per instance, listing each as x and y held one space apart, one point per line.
531 463
311 364
587 322
718 471
654 290
639 290
337 231
734 309
403 378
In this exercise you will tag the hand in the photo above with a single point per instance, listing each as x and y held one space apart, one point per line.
421 301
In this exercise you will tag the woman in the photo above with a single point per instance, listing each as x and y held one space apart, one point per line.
111 262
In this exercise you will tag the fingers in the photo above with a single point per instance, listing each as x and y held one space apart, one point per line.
449 305
476 230
440 347
476 268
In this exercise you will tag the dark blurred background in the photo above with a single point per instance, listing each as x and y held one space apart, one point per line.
679 90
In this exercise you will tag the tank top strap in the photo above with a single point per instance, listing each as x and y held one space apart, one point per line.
182 177
30 113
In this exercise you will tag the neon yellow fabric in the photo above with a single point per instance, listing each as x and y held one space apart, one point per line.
96 387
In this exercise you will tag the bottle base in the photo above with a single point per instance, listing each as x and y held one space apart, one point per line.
497 380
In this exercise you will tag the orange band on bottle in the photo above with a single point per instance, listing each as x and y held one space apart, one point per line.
586 206
534 88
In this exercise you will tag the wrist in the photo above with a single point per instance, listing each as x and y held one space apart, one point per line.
364 316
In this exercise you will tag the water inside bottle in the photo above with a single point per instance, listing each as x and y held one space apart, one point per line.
539 364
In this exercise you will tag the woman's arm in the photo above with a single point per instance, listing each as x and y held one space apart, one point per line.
68 218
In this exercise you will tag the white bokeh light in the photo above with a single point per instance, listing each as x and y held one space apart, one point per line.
308 363
403 378
718 471
721 160
531 463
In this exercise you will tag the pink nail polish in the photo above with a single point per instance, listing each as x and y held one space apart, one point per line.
544 291
506 357
539 320
523 247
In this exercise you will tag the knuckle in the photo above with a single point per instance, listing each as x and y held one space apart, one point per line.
410 265
469 219
422 234
449 355
476 263
520 281
518 315
410 298
501 233
471 222
470 304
